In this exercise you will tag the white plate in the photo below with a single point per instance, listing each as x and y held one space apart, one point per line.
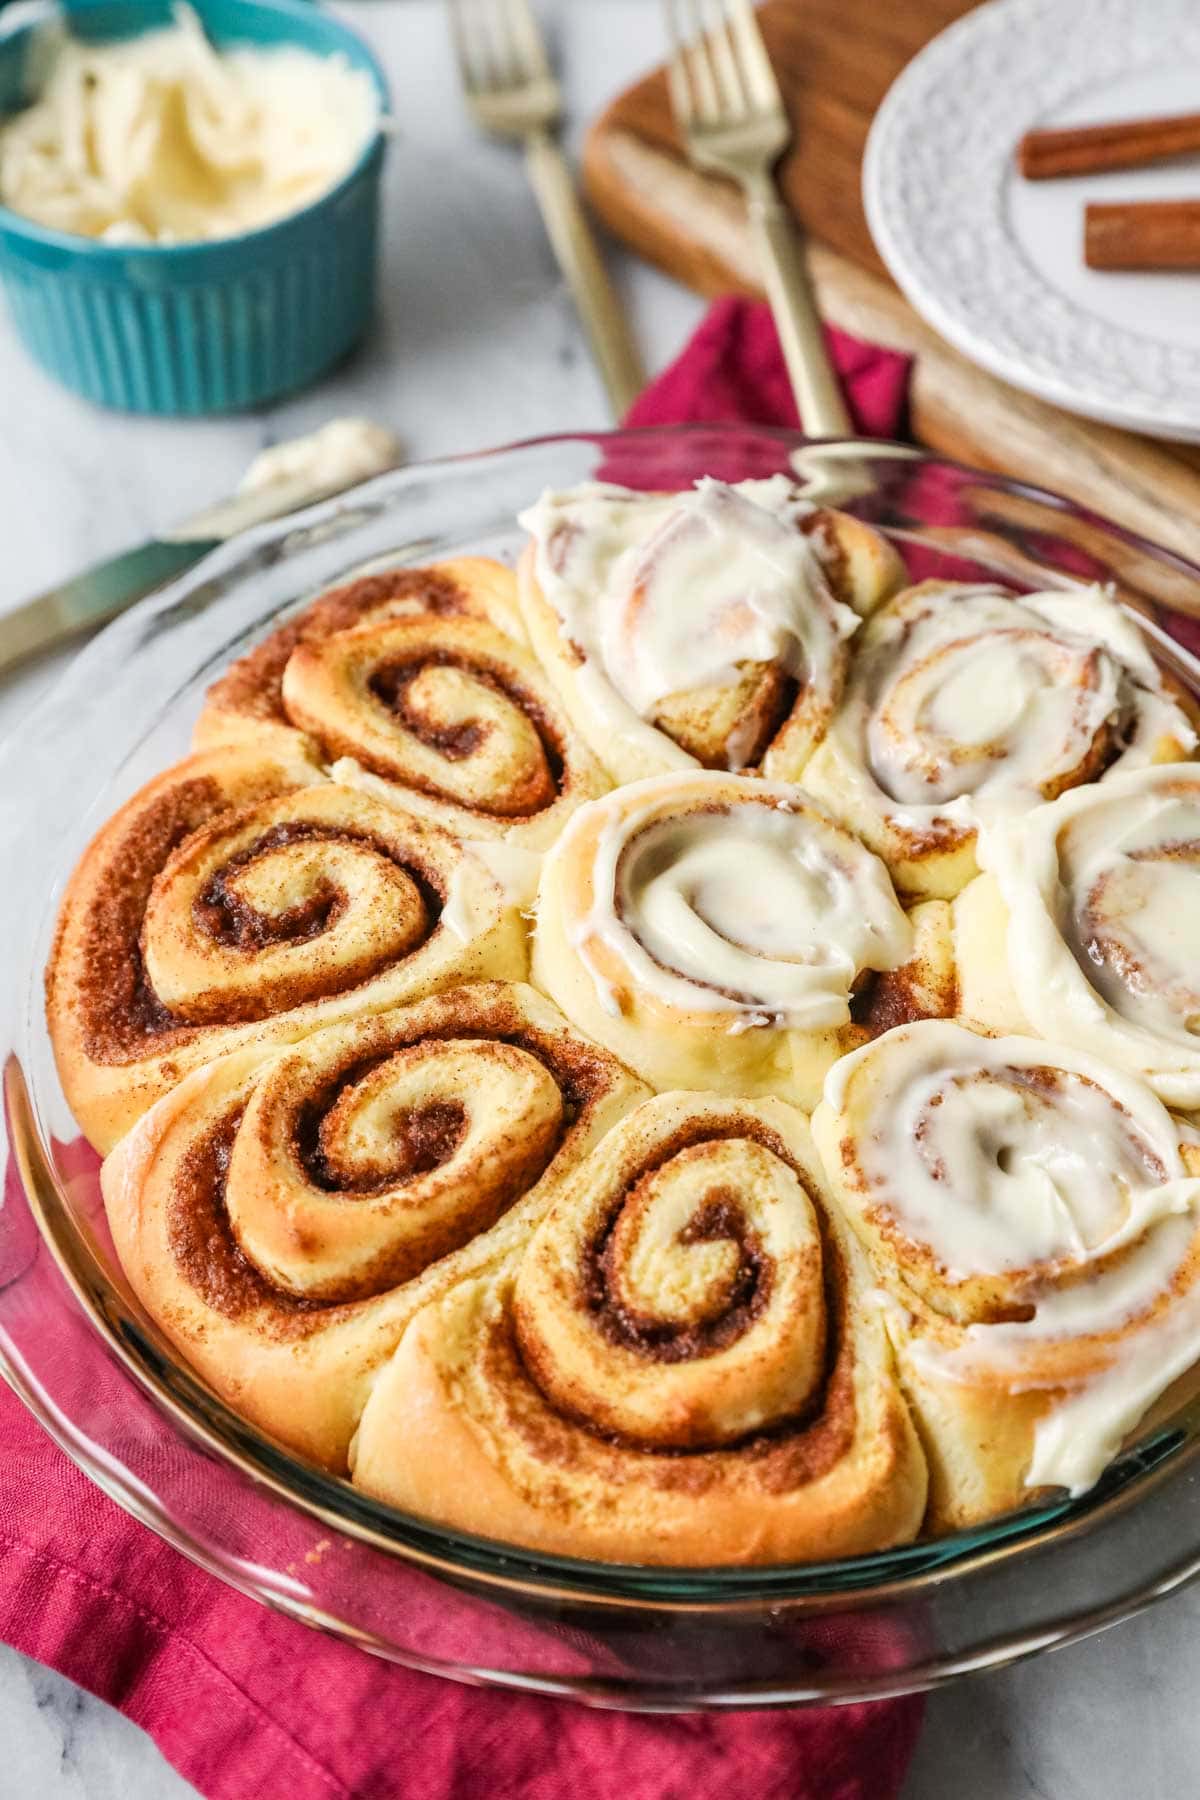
994 262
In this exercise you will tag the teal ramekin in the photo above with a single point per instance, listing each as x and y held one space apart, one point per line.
206 327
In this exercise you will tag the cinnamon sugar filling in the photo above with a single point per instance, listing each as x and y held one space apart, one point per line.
202 1238
253 687
390 684
208 1254
121 1011
787 1454
747 1297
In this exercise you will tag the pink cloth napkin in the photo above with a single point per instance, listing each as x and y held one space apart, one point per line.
244 1701
732 370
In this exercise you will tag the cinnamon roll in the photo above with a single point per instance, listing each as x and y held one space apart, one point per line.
413 686
282 1214
1086 927
966 703
709 930
247 701
707 627
240 898
681 1366
1035 1220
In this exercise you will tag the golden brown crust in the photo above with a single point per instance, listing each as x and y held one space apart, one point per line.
249 696
239 898
923 987
282 1214
418 685
680 1367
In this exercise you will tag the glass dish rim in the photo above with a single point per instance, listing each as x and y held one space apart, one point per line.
907 1570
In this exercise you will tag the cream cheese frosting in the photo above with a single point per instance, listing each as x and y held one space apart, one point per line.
1010 1157
337 455
764 910
161 139
973 702
1102 888
668 594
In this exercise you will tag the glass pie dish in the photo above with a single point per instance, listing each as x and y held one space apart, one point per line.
103 1380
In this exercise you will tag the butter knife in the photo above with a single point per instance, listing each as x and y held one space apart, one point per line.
107 588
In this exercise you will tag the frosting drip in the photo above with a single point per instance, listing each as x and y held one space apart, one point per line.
1103 891
1045 1160
974 702
1134 877
665 595
1039 1198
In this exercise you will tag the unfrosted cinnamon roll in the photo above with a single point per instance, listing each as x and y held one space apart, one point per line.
968 703
283 1214
247 701
709 929
1036 1221
1086 927
414 687
240 898
707 627
682 1366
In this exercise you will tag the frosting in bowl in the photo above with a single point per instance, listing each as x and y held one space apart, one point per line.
161 139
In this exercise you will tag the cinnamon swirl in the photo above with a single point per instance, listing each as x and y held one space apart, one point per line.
283 1214
1086 927
709 929
247 701
240 898
682 1365
966 703
704 628
414 687
1036 1221
419 1223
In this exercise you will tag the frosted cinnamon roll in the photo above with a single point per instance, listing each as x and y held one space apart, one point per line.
240 898
682 1366
283 1214
1086 927
968 703
707 627
709 930
412 687
1035 1220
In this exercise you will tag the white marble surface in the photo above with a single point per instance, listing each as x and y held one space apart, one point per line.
476 343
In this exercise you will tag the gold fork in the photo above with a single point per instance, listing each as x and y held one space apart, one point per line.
512 92
728 106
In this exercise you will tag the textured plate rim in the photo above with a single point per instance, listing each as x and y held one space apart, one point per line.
1088 397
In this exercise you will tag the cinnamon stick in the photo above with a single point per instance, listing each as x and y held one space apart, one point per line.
1142 234
1091 149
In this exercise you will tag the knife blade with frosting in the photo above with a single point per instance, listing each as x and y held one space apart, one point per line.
282 480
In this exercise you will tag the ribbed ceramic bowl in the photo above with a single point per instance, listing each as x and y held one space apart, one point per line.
205 327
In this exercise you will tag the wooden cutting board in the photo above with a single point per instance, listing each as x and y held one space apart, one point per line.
835 60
